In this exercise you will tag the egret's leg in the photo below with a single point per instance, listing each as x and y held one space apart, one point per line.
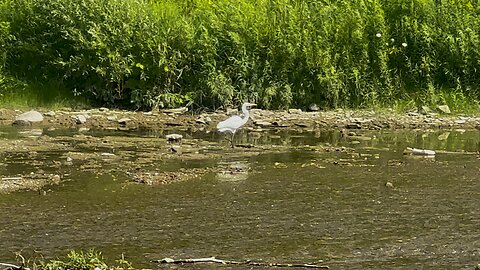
231 141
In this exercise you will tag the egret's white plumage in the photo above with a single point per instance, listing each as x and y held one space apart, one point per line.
235 122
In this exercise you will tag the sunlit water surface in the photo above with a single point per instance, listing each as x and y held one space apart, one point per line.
299 206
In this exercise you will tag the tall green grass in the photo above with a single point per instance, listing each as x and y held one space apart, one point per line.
279 53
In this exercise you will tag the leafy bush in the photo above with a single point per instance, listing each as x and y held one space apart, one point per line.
279 53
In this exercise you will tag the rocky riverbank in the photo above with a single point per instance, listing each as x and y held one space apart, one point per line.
104 118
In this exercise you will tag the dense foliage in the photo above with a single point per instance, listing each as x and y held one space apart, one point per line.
279 53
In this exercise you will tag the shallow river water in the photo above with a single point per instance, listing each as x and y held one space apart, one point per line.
296 206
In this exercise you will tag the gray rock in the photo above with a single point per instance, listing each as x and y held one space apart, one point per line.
353 126
50 114
22 123
176 110
200 121
302 124
173 137
280 124
31 116
203 120
263 123
444 109
444 136
359 138
80 119
124 120
112 118
389 185
294 111
313 107
425 110
231 111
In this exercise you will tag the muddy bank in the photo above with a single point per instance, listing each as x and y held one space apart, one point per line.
104 118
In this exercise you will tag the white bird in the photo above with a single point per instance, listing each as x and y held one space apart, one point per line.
235 122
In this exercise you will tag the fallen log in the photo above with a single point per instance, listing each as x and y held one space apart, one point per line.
247 262
11 266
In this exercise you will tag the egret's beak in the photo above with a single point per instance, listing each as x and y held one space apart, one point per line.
252 104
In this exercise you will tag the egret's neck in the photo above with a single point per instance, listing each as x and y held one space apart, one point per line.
246 113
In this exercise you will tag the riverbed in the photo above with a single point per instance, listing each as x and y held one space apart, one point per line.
354 200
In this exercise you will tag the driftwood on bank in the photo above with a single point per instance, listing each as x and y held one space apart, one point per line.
247 262
11 266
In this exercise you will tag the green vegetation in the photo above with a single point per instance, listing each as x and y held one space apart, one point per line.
143 54
77 260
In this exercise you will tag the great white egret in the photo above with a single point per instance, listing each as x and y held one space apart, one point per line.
235 122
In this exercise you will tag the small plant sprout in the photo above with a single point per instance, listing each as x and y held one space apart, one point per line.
378 35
